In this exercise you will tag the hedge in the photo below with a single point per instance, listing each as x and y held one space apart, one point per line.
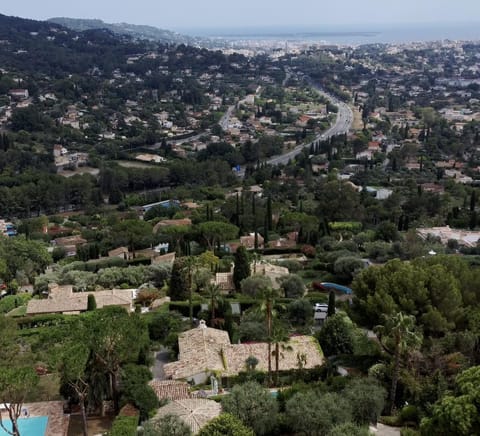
139 261
124 426
96 265
287 377
42 320
126 423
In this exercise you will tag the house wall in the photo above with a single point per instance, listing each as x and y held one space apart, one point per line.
200 378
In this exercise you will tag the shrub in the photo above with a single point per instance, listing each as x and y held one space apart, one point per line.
409 415
226 425
124 426
336 335
254 406
10 302
168 425
311 413
292 286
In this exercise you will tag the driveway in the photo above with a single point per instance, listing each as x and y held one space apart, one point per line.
384 430
161 358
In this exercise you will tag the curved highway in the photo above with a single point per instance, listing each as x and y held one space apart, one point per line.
342 124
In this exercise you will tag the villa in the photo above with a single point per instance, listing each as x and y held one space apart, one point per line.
205 351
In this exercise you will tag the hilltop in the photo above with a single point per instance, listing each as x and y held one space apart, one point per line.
134 30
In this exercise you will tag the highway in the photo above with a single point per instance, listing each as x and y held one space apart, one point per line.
342 124
225 120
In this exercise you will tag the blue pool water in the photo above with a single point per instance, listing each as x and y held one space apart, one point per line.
36 426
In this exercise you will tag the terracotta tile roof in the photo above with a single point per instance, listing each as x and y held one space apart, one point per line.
196 413
118 251
206 349
114 297
61 300
164 258
200 350
75 303
170 389
69 240
170 223
236 354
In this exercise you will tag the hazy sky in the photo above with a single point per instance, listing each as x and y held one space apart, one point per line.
181 14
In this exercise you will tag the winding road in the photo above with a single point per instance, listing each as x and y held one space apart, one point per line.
342 124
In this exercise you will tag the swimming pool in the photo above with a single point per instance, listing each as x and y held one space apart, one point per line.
35 426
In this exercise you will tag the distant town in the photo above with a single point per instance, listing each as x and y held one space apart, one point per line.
243 236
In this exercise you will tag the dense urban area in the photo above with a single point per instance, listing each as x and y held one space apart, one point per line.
269 239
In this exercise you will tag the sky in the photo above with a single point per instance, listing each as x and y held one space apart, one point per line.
197 14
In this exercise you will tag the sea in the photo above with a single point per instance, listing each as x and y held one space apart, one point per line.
347 35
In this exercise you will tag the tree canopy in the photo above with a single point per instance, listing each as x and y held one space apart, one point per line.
433 291
457 413
254 406
226 425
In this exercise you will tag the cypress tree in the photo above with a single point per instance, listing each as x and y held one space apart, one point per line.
237 218
473 220
241 270
331 303
178 280
473 201
265 231
269 214
91 302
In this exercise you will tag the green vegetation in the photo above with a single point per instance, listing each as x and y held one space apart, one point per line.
116 173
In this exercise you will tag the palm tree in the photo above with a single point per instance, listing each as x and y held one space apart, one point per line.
214 296
267 308
279 338
397 337
191 264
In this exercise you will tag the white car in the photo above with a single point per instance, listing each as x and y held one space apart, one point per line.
321 307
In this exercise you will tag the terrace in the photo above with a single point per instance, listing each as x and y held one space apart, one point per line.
41 419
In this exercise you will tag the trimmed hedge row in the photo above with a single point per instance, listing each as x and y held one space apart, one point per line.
286 377
42 320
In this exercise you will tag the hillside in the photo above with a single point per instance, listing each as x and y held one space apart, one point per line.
59 50
133 30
